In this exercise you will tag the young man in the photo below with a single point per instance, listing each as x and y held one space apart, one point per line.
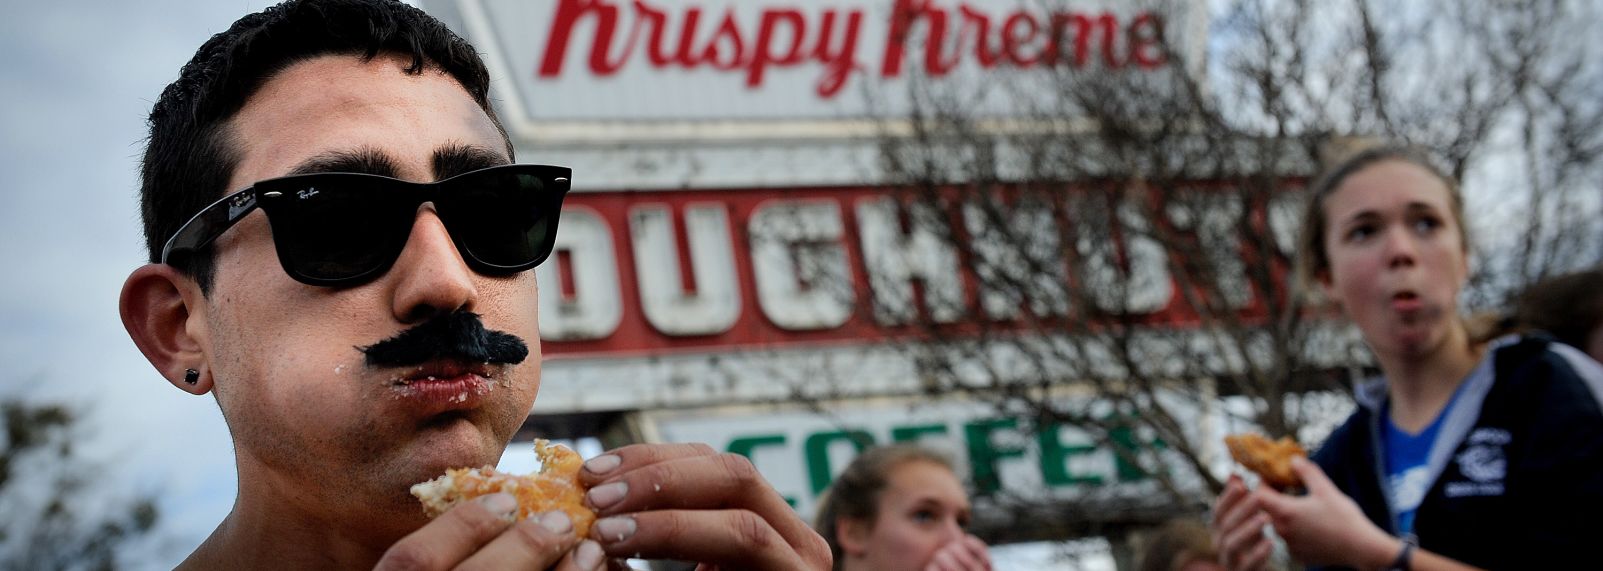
363 334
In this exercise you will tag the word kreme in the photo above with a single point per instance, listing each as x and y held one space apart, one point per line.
786 36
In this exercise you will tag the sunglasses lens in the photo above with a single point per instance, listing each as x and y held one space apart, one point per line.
344 231
340 229
505 223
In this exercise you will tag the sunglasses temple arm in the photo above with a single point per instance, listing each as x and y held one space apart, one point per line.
210 223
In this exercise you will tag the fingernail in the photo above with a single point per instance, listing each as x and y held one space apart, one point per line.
605 495
588 555
503 505
556 521
603 464
615 529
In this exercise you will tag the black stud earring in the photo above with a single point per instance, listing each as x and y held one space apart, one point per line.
191 376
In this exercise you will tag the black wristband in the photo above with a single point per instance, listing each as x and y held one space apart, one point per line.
1404 560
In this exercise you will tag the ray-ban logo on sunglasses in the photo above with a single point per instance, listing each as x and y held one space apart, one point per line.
305 194
240 204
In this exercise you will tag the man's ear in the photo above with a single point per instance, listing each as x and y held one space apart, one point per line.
155 305
852 534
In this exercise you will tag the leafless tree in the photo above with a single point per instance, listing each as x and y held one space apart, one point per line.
55 518
1125 237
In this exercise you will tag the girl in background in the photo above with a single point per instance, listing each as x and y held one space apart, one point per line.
1463 453
899 508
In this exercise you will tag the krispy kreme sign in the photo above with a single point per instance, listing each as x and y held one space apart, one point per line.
774 37
624 60
654 272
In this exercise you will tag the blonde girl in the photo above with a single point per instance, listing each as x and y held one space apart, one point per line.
1461 454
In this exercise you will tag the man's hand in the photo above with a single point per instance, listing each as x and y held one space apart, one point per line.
485 534
966 554
690 503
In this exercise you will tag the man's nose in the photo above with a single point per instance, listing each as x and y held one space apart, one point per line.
430 277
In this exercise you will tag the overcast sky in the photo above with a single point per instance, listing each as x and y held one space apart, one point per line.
78 82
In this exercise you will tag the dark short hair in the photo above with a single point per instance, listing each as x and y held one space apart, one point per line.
191 154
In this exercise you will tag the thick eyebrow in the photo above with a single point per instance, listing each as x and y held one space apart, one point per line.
365 160
1367 216
1422 207
1359 217
935 502
455 159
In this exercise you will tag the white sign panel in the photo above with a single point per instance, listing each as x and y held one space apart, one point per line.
766 61
801 451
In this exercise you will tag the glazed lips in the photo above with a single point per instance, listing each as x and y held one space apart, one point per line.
442 386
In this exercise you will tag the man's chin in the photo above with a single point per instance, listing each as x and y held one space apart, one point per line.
449 441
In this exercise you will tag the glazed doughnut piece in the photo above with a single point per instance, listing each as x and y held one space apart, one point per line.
1271 460
555 487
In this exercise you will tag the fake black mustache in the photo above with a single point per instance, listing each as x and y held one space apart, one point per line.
459 335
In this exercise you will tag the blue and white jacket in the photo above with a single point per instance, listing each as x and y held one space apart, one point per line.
1516 471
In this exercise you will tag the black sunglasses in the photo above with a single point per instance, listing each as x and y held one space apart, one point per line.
343 229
